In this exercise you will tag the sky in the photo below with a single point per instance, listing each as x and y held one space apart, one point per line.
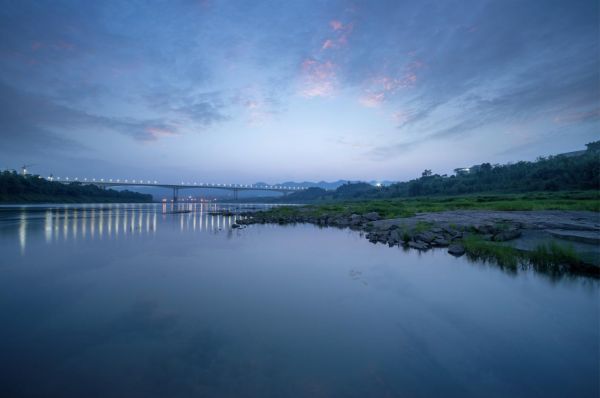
246 91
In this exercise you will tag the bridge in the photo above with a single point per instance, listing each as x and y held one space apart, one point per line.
235 188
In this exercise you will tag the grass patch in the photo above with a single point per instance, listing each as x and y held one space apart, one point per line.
551 257
503 255
552 254
422 226
407 207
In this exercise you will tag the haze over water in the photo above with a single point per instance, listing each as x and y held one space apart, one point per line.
132 301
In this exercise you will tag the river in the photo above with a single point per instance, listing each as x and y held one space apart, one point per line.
132 300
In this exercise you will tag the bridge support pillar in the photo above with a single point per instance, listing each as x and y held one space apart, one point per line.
235 194
175 194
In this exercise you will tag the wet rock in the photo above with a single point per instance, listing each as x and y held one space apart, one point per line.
394 237
591 237
456 235
236 226
355 219
456 249
486 229
419 245
373 216
372 237
440 242
507 235
426 236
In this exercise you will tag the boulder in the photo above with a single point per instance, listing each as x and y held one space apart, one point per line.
456 235
440 242
372 237
236 226
456 249
419 245
394 237
372 216
426 236
355 219
486 229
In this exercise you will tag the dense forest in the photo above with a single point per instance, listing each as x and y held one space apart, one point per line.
16 188
567 172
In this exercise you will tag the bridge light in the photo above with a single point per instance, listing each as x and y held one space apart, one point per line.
118 180
155 182
125 180
102 179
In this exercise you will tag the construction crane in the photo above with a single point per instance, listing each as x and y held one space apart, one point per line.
24 168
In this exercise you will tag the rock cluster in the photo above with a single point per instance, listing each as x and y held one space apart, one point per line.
395 232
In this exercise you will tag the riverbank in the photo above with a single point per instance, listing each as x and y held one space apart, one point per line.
551 241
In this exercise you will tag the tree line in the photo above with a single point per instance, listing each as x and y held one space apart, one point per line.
17 188
579 171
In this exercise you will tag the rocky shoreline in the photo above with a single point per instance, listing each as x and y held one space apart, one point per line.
521 231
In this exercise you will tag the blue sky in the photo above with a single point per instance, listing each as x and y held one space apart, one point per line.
245 91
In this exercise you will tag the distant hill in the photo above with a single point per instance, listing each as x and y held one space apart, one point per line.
332 185
572 171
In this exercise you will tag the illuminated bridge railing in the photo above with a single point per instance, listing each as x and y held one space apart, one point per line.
182 185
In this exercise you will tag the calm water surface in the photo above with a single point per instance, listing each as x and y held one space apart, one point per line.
127 301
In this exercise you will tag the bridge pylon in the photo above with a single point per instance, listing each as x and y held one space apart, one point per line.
175 194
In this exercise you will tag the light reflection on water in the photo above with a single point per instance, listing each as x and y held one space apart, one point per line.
112 221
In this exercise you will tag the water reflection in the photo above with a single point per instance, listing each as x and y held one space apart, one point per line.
113 221
23 232
271 313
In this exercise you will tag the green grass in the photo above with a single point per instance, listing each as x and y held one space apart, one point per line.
553 254
422 226
407 207
547 257
503 255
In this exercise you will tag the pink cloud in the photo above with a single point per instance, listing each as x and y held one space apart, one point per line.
328 44
342 33
336 25
154 133
401 117
36 45
378 89
372 100
319 78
